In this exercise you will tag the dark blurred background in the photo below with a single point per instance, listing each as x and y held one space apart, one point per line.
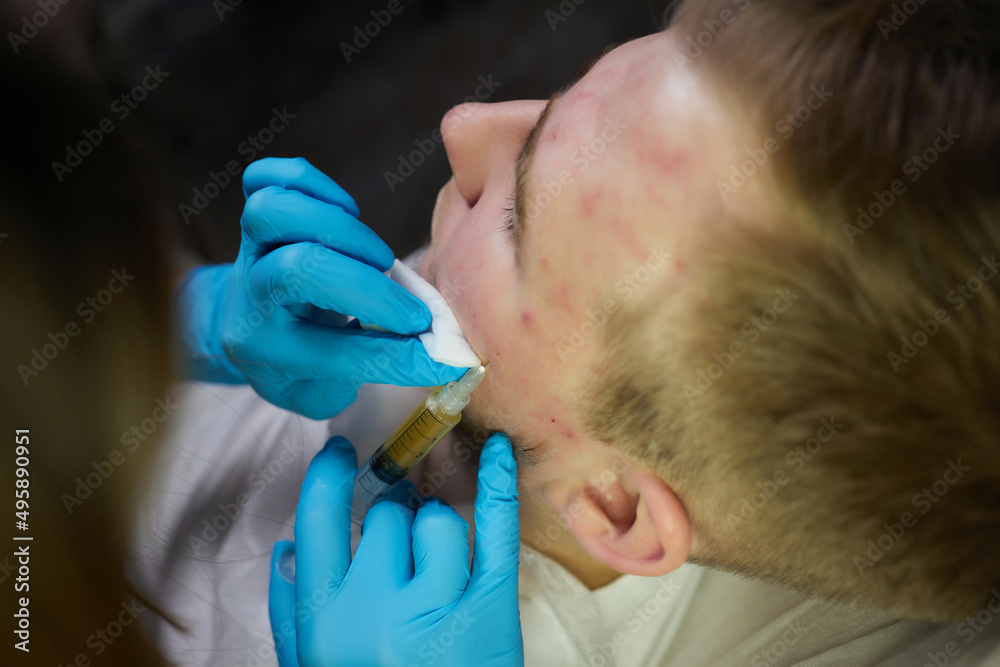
231 64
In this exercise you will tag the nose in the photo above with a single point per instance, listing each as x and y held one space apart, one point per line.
483 141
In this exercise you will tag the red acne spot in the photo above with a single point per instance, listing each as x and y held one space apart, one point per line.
589 201
665 162
544 262
553 420
568 434
527 319
565 298
553 135
681 266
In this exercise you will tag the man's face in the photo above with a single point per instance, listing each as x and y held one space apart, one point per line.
621 181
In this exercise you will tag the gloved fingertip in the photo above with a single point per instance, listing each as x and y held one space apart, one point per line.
283 560
382 256
420 317
497 467
406 494
433 506
497 526
281 604
338 444
280 548
496 492
329 478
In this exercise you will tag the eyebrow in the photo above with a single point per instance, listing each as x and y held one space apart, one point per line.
525 158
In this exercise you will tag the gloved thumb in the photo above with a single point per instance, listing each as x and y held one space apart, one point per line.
281 604
498 537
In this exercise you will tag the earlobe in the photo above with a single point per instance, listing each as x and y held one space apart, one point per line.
636 524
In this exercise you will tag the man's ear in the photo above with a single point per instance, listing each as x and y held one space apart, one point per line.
634 524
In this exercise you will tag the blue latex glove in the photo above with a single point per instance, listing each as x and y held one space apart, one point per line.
271 318
407 598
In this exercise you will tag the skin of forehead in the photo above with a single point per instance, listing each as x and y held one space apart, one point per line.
629 173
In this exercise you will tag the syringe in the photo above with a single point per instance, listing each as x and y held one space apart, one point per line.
401 451
417 435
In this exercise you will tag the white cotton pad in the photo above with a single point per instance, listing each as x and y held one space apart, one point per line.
445 341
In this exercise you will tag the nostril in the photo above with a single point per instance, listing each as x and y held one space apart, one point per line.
471 201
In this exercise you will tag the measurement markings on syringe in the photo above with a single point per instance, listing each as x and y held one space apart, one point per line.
419 432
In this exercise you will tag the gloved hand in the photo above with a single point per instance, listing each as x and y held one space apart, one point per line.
407 598
270 319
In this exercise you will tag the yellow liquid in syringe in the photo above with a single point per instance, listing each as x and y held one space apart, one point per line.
417 435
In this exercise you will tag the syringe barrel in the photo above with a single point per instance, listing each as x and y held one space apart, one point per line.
400 452
368 488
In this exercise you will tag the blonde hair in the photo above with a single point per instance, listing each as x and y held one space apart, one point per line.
844 441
